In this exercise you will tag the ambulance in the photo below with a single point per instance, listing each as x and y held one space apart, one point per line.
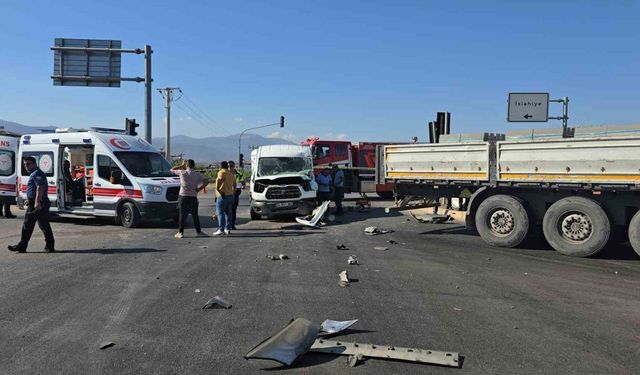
8 176
102 172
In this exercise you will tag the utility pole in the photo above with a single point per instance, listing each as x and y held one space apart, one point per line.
167 94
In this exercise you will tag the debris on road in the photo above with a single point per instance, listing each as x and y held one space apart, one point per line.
372 231
204 247
106 344
457 309
386 352
381 248
217 303
313 219
197 290
432 218
330 327
352 260
341 247
355 360
344 278
288 344
393 242
278 257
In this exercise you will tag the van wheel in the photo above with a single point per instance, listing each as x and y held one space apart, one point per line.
634 232
254 215
502 220
129 215
576 226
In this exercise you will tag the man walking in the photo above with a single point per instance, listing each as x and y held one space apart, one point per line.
238 175
338 189
188 196
37 209
224 198
324 186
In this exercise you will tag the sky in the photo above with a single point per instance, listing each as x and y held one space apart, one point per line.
355 70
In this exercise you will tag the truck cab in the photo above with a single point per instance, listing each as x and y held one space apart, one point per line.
102 172
282 181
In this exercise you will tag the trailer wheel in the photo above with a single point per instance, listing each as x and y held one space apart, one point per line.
502 220
576 226
254 215
129 215
385 194
634 232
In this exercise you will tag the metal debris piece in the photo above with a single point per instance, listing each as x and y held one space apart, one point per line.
288 344
313 219
381 248
217 303
344 278
386 352
372 231
278 257
283 257
197 290
354 360
330 327
352 260
457 309
106 344
393 242
341 247
432 218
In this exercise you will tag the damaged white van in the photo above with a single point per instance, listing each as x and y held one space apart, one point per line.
102 172
282 181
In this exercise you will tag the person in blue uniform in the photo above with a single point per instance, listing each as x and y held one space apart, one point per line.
37 209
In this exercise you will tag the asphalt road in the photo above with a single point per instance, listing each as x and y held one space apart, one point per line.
516 311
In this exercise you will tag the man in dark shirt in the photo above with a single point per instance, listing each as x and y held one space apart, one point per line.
37 209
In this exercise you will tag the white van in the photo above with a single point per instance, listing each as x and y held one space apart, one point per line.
8 174
110 174
282 181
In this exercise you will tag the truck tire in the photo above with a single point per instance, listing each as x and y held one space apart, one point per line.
502 220
129 215
254 215
576 226
634 232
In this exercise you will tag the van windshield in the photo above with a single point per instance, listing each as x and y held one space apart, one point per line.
273 166
145 164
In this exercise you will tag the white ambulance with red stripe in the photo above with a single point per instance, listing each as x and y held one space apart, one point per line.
102 172
8 176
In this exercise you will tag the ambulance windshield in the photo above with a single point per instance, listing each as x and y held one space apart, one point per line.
145 164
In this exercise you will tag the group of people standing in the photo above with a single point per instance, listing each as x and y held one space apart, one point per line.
331 187
228 186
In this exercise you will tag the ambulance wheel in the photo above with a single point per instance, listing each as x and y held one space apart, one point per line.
129 215
254 215
634 232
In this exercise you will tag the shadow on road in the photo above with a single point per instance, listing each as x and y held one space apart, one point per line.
111 251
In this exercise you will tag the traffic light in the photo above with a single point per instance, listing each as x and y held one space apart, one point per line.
241 160
130 126
282 121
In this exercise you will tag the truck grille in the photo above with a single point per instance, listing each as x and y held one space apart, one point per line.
172 193
283 192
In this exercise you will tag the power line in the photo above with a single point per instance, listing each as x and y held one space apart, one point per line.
197 109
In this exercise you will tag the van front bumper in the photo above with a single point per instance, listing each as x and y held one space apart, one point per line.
158 210
298 207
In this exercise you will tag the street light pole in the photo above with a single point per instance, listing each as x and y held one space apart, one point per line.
281 123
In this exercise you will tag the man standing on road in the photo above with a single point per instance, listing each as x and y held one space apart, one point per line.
224 198
324 186
188 197
238 175
338 189
37 209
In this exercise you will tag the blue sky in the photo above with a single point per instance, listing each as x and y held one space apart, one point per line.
358 70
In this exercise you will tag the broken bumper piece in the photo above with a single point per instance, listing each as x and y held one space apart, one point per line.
288 344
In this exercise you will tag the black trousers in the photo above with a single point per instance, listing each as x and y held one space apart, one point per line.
234 207
338 196
323 196
7 210
41 216
186 206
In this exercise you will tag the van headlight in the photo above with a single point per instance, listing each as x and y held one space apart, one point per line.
151 189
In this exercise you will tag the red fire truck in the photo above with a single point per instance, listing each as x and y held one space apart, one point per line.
358 162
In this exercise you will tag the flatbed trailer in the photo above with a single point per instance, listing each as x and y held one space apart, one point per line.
579 189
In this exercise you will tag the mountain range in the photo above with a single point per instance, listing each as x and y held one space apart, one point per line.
202 150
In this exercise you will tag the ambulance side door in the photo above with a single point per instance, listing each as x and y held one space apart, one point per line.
109 184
